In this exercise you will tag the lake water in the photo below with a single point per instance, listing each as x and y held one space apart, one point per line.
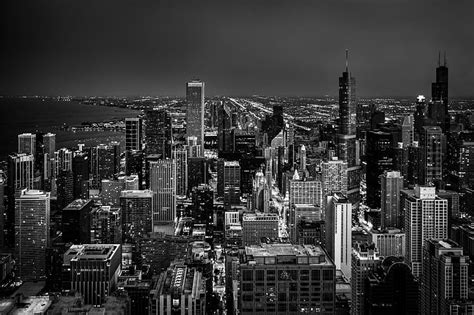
31 115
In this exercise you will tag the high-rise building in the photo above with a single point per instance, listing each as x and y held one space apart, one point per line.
49 143
408 130
432 141
380 158
163 186
106 225
333 177
444 281
439 93
303 158
197 172
365 258
420 116
426 217
347 143
32 211
286 279
181 158
133 134
158 133
228 182
76 220
391 289
110 191
306 192
27 143
20 171
136 206
195 110
339 231
391 185
179 290
62 161
203 203
93 270
389 242
256 226
64 188
299 213
80 173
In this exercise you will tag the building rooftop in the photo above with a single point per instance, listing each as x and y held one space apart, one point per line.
77 204
231 163
91 252
287 254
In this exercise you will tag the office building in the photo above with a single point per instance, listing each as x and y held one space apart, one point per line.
426 217
20 171
346 137
80 173
32 211
228 182
299 213
179 290
27 143
333 177
163 186
391 289
391 185
365 258
133 134
380 158
158 133
136 208
195 110
339 231
432 141
444 280
197 172
286 279
93 270
76 220
110 191
106 225
49 143
408 130
439 93
181 158
64 188
389 242
256 226
306 192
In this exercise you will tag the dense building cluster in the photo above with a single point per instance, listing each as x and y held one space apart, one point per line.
233 206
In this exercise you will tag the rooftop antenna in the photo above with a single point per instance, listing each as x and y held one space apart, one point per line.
347 60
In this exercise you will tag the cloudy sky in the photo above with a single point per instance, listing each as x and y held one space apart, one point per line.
240 47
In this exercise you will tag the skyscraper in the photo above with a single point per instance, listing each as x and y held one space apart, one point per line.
286 279
32 210
365 258
180 156
391 185
347 144
339 231
195 110
333 177
445 277
20 171
27 143
49 142
256 226
439 92
133 134
380 157
136 206
76 220
158 133
426 217
408 130
432 141
306 192
163 186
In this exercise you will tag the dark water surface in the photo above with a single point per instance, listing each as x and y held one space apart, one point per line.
30 115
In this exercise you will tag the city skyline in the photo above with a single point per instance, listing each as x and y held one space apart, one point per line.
245 48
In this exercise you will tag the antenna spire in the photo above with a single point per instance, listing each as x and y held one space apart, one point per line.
347 60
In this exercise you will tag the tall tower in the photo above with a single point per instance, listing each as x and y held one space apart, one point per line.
426 217
391 185
339 232
133 134
158 133
439 92
27 143
163 185
181 158
195 110
444 281
408 131
432 155
32 210
347 144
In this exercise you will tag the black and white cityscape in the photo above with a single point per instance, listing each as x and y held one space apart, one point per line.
247 157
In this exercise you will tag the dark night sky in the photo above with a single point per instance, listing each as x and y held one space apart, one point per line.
240 47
